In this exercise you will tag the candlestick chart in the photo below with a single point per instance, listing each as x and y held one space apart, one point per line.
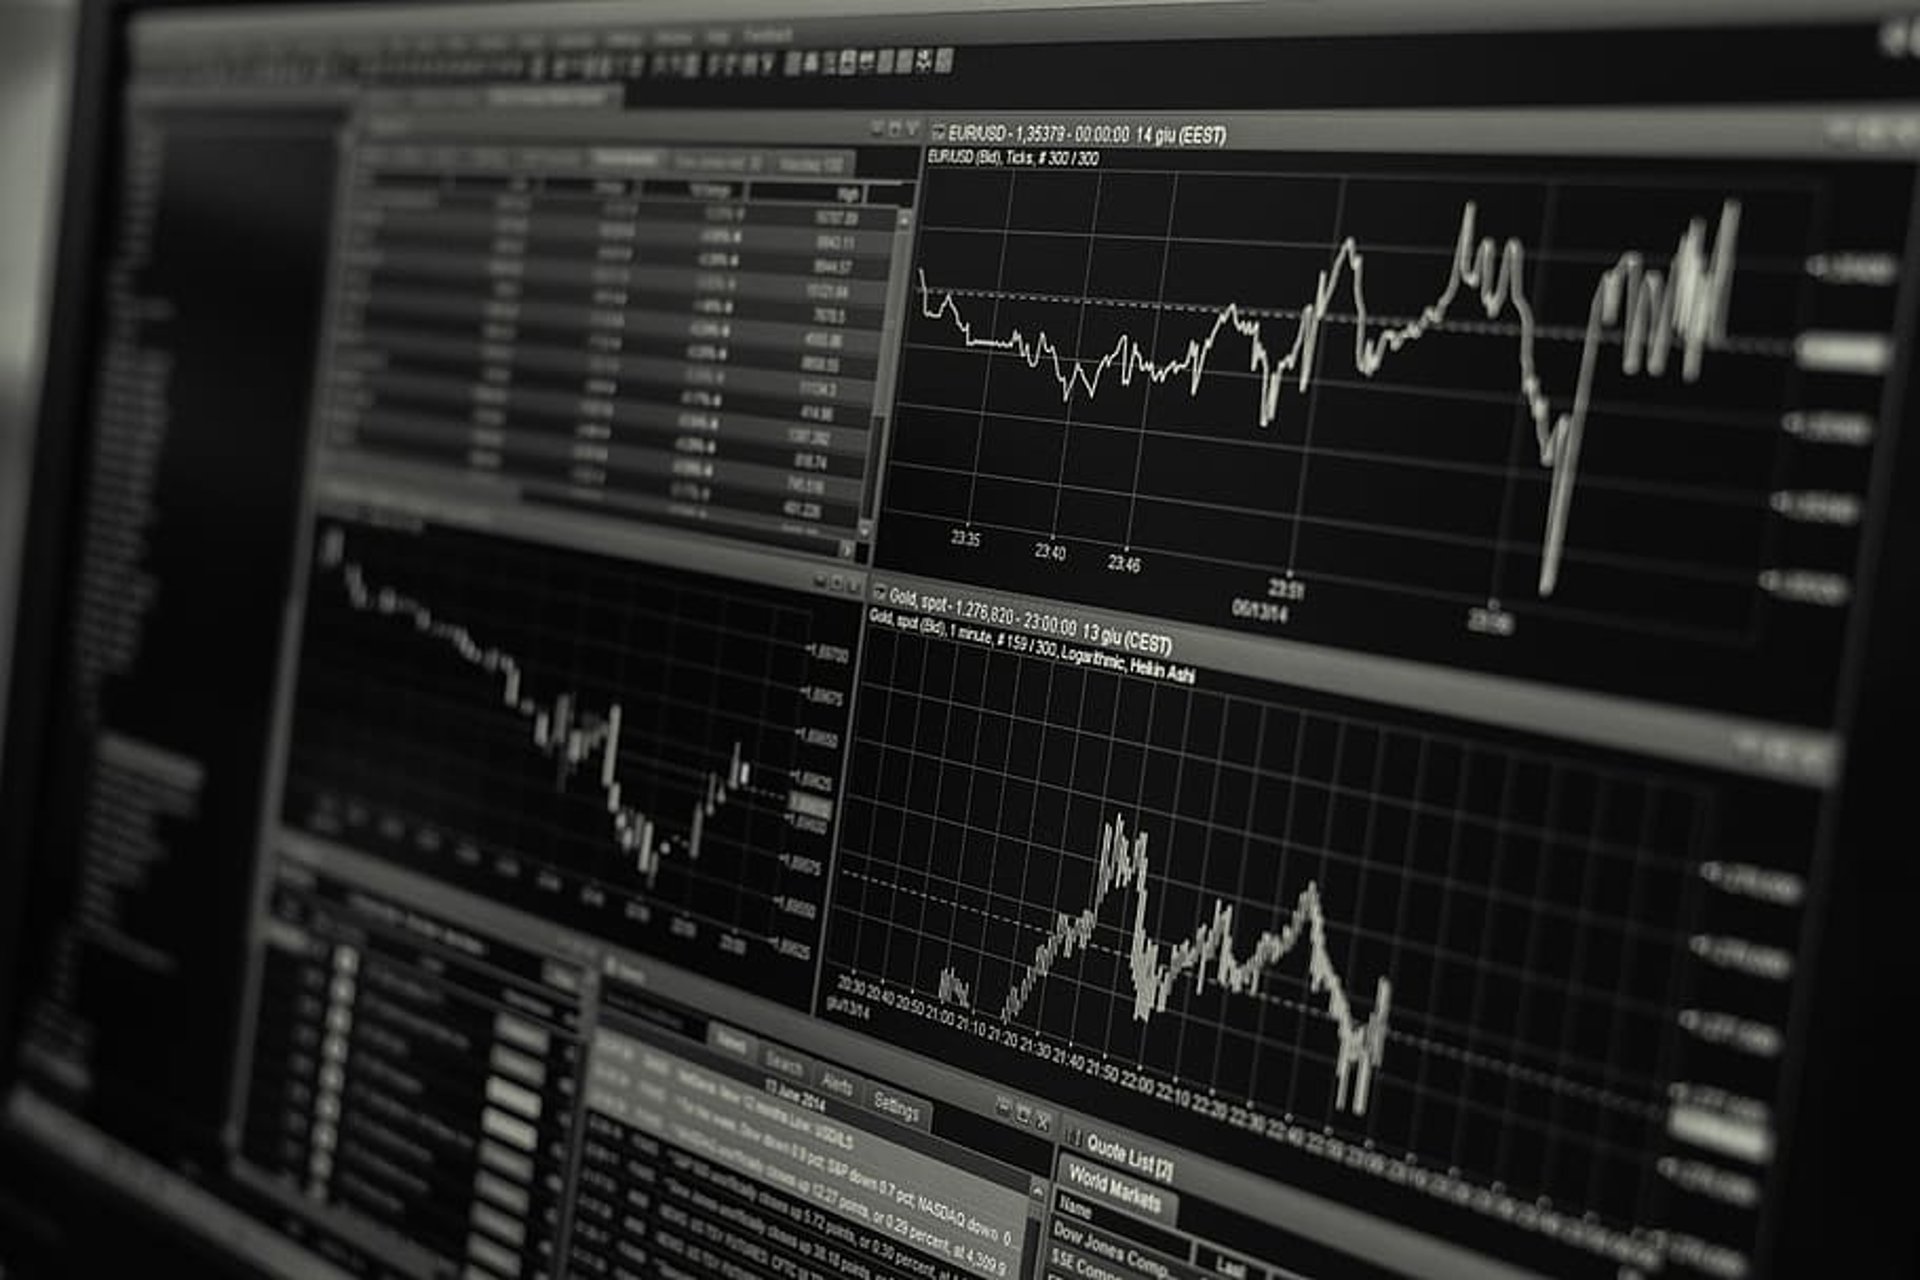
625 741
1234 905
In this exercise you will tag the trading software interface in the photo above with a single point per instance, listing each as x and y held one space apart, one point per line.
699 650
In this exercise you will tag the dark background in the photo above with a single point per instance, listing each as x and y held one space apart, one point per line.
35 56
1851 1182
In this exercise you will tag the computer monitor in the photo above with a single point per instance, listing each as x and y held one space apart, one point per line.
988 642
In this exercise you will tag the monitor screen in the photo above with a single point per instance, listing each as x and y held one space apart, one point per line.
1057 642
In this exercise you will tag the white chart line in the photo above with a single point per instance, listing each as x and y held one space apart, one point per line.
561 730
1650 311
1154 967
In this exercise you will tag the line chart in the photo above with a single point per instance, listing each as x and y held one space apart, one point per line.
1647 311
1207 955
640 751
1534 418
561 730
